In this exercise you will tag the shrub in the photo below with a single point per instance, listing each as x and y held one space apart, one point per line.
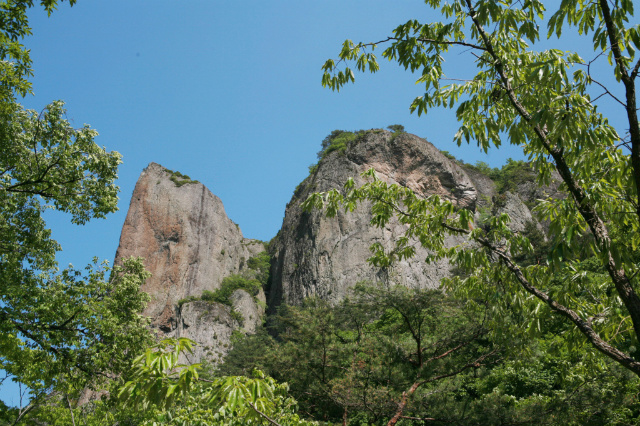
338 141
485 169
187 300
448 155
509 176
237 316
396 128
179 179
261 263
513 174
231 284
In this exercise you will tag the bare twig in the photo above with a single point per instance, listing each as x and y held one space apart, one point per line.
73 419
606 91
269 419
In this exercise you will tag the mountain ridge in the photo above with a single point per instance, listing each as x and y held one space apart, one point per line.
190 246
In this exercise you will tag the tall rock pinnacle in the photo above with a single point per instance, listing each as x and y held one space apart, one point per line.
185 237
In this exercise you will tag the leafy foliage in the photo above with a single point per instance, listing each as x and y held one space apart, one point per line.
15 60
545 102
187 300
251 282
337 141
448 155
353 362
313 168
231 284
396 128
356 360
75 325
179 179
60 331
507 178
150 381
174 394
261 265
223 294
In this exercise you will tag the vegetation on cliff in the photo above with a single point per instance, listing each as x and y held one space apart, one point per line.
179 179
252 281
356 362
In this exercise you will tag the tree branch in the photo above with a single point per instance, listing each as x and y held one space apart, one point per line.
636 69
606 91
582 324
430 41
630 94
406 395
584 205
269 419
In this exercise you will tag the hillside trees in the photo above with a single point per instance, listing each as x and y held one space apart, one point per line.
379 356
59 330
547 102
358 362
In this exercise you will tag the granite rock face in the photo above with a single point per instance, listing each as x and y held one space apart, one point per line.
189 245
324 257
210 325
318 256
252 309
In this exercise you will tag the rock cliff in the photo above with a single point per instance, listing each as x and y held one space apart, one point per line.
318 256
212 324
189 245
324 257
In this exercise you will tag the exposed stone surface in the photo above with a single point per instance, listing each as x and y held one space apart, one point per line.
186 239
485 187
323 257
317 256
210 324
189 245
252 309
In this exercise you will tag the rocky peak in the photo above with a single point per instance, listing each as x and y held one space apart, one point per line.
185 237
317 256
190 245
412 162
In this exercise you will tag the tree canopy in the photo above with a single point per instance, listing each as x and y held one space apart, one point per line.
547 102
60 331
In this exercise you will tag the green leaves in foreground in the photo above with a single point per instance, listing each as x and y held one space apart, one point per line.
175 394
549 102
69 331
60 330
157 377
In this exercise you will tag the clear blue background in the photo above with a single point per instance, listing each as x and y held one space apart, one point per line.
227 92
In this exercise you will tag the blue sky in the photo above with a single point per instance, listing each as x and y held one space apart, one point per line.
227 92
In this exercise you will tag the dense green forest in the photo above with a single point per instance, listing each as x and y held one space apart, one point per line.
533 329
